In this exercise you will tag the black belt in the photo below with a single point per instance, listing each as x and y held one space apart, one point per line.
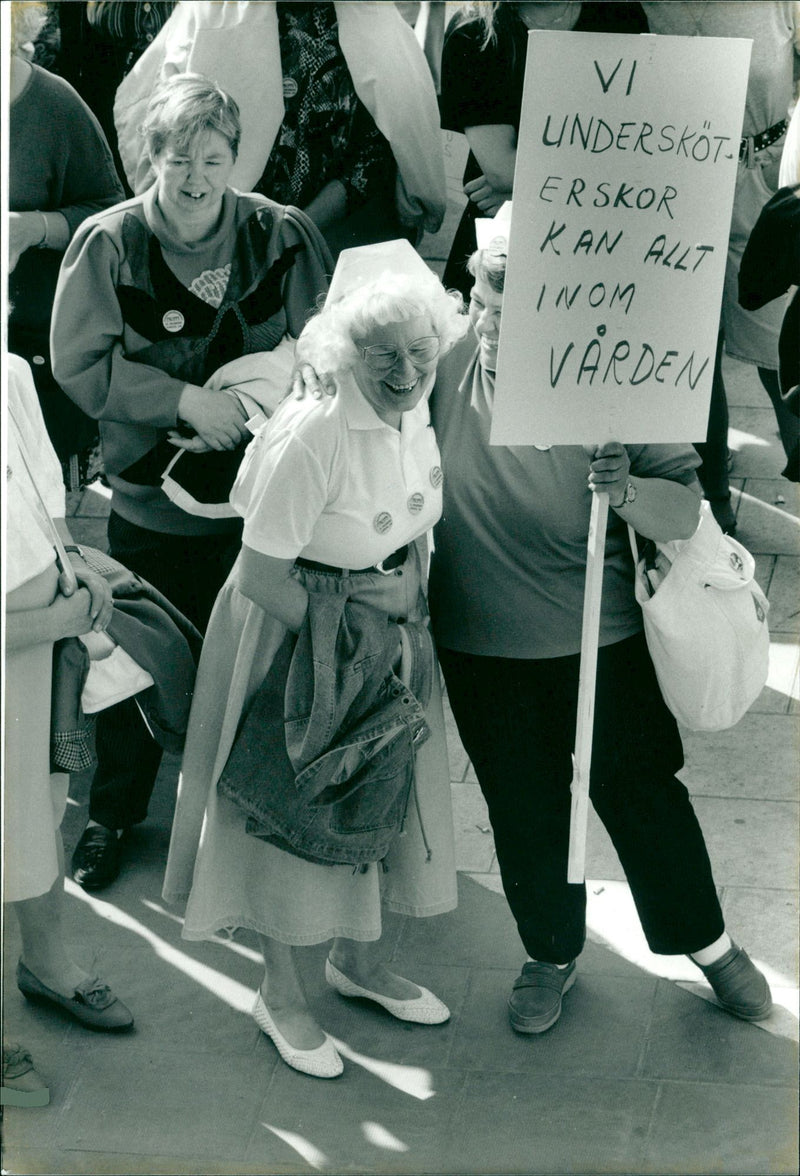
383 567
750 145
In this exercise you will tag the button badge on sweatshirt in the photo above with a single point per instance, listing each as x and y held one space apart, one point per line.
382 522
173 321
436 477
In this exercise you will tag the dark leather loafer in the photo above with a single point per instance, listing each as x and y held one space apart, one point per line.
535 1001
738 985
93 1003
97 857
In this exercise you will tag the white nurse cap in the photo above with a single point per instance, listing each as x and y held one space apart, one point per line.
356 267
488 229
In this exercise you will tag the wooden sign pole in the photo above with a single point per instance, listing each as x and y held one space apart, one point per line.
587 681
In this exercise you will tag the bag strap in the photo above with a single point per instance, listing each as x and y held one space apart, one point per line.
634 545
68 579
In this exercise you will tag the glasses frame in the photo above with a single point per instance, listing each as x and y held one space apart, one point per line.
398 351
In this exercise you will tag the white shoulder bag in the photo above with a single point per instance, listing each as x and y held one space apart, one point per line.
705 620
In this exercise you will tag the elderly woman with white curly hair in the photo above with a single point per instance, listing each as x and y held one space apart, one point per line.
316 737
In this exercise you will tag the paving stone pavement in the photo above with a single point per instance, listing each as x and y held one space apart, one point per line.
639 1076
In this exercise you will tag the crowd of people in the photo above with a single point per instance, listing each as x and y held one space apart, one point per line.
281 163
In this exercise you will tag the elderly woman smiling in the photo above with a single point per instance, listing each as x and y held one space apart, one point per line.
155 295
334 494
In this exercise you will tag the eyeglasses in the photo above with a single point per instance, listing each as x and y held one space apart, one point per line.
419 351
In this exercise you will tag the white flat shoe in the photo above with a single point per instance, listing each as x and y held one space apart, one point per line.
322 1062
425 1009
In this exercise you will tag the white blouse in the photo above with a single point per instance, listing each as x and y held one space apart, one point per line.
29 548
329 480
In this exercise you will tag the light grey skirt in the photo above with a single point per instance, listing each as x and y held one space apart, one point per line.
235 880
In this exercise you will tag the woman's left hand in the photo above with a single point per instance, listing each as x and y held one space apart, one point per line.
609 470
102 600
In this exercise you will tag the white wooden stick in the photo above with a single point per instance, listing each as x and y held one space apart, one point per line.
587 681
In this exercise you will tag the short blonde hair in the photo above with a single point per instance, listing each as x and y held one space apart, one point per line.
489 264
185 106
27 21
327 341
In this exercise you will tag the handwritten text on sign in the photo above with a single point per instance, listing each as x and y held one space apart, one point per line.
626 166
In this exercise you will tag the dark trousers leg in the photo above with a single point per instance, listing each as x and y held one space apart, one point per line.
517 722
788 423
713 473
189 571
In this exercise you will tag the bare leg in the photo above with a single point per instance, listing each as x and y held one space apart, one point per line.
358 962
283 994
41 924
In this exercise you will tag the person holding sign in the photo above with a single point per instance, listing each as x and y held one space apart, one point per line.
483 68
506 597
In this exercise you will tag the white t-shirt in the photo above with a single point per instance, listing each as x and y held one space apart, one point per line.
329 480
29 546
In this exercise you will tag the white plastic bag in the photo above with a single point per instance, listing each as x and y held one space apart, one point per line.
706 626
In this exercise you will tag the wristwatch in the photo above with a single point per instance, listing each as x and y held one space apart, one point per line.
628 497
74 547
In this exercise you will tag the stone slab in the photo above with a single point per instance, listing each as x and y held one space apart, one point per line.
757 758
784 595
166 1103
694 1040
701 1128
542 1122
763 526
751 842
766 922
377 1117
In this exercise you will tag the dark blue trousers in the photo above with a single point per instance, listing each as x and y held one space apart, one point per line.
516 719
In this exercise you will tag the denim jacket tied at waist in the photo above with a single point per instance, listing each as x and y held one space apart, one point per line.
323 763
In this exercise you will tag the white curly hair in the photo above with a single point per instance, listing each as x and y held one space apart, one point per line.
327 340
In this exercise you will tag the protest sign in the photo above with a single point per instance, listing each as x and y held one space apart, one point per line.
626 166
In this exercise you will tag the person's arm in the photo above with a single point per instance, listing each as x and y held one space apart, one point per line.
97 586
495 148
86 175
329 204
67 616
35 230
269 583
90 366
656 508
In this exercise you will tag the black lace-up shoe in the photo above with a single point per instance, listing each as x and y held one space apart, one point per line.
97 858
535 1001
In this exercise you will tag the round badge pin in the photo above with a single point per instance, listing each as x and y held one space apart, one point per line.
289 87
416 503
173 321
437 477
382 522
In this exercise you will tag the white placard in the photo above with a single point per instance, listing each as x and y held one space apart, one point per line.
623 190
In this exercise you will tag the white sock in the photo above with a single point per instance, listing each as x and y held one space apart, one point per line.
531 960
714 951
